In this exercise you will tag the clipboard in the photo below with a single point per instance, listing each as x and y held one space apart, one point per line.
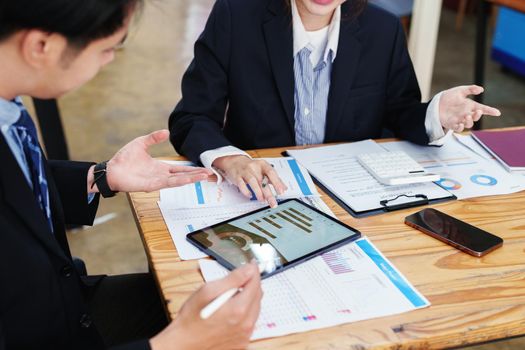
384 206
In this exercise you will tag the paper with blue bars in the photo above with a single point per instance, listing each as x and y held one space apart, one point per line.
352 283
211 194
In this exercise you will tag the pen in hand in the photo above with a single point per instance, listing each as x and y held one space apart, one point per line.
222 299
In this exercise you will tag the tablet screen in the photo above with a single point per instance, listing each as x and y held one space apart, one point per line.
276 238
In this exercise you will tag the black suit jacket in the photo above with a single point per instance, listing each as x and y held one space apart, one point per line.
42 298
243 69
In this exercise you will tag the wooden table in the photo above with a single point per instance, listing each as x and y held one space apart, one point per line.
473 300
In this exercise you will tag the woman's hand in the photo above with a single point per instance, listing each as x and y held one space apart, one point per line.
458 112
243 172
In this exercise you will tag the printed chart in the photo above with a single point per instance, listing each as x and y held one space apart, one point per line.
463 171
211 194
354 282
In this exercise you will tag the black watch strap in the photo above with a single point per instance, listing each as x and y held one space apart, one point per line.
101 180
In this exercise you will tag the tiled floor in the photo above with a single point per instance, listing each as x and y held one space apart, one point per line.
136 93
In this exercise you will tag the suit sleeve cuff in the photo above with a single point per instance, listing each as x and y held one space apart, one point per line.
435 132
207 158
71 180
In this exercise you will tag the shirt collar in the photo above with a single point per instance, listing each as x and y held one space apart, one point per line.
302 40
9 111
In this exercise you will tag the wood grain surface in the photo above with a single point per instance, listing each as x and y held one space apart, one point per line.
473 300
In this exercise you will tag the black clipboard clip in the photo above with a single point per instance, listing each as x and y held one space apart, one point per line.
421 200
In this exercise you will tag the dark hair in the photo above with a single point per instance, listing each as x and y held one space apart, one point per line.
80 21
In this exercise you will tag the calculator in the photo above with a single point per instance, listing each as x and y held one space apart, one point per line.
395 168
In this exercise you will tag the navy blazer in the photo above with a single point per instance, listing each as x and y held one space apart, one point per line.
239 88
42 297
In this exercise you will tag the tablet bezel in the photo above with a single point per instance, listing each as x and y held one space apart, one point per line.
320 251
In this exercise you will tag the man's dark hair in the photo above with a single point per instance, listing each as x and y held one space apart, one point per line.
80 21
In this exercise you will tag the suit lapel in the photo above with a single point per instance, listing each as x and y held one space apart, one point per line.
19 196
279 42
343 72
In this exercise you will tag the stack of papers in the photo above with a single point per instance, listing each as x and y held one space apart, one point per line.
352 283
466 169
205 194
337 169
192 207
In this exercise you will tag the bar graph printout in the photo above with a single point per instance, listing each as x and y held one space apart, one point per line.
207 194
354 282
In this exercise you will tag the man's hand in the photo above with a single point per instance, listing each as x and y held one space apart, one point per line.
228 328
458 112
133 170
243 172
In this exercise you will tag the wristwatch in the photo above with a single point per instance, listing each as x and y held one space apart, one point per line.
101 180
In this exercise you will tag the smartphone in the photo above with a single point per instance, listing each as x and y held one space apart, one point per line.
457 233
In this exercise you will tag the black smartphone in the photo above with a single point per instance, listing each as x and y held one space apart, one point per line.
457 233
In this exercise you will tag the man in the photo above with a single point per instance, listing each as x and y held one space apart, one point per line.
48 47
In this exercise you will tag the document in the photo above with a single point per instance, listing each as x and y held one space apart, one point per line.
466 169
207 194
352 283
338 169
469 142
472 145
180 222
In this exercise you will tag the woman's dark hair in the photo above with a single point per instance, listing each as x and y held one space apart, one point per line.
80 21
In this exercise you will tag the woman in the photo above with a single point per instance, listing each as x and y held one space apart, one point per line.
271 73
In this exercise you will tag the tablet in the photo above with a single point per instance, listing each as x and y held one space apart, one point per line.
276 238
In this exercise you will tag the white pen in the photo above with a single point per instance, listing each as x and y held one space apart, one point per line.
216 304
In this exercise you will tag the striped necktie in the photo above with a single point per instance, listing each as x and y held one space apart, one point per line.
26 132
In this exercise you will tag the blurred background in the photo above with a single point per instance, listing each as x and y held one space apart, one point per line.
136 93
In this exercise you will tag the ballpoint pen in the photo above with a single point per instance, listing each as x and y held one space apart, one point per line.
216 304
